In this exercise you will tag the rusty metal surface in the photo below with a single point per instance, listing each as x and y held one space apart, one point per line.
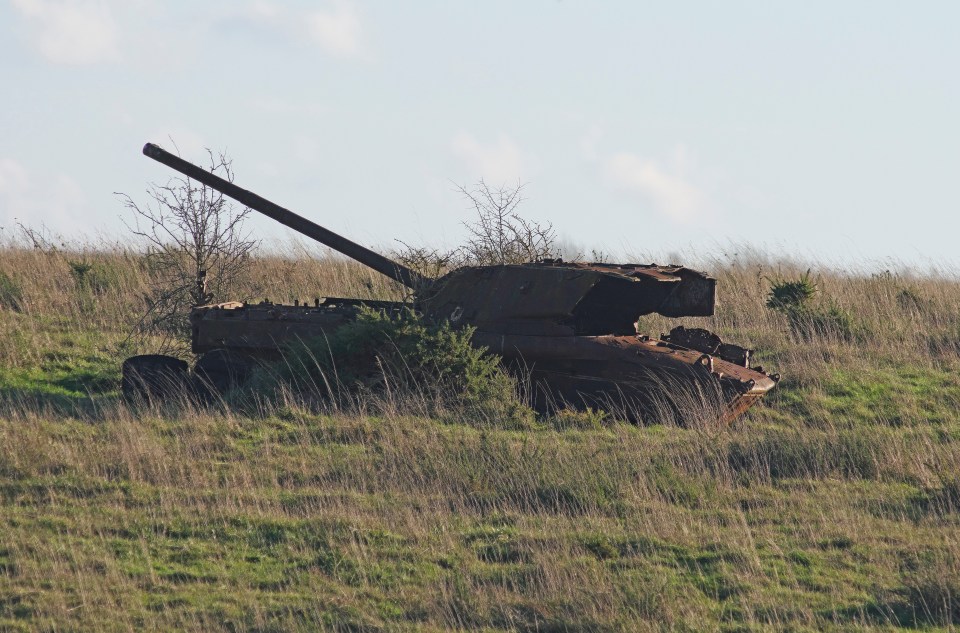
626 372
263 329
567 298
590 369
709 343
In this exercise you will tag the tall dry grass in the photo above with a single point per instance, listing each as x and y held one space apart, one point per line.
832 506
114 293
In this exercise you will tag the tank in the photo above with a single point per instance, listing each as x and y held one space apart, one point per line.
567 328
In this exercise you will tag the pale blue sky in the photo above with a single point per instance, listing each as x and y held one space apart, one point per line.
815 129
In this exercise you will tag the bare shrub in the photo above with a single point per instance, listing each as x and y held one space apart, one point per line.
498 235
430 263
41 239
197 249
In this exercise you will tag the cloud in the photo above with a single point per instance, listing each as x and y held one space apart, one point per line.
666 185
590 143
499 162
73 32
57 202
337 31
151 32
261 9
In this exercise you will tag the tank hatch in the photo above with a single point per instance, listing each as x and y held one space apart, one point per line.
558 298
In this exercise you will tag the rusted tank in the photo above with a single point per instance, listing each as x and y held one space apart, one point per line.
567 328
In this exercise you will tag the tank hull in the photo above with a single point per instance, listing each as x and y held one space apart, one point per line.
262 330
635 376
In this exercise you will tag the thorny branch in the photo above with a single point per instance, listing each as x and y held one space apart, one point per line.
498 235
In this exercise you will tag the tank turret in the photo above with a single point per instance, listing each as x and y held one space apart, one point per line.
562 297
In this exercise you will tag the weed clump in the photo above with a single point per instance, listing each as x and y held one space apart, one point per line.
403 360
94 277
582 420
11 294
795 300
786 296
930 593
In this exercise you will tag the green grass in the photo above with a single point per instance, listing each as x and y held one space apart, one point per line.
834 506
333 521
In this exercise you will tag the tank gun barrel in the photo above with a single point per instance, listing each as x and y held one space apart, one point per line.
365 256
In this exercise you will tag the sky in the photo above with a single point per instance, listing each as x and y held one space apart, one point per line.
819 130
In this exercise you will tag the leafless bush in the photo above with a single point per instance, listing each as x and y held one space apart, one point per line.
498 235
40 239
197 250
429 262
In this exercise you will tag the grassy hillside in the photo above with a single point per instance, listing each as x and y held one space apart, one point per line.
835 505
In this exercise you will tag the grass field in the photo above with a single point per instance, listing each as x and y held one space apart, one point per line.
834 505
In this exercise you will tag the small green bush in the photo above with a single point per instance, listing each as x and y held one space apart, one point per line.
403 357
791 295
11 294
794 299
